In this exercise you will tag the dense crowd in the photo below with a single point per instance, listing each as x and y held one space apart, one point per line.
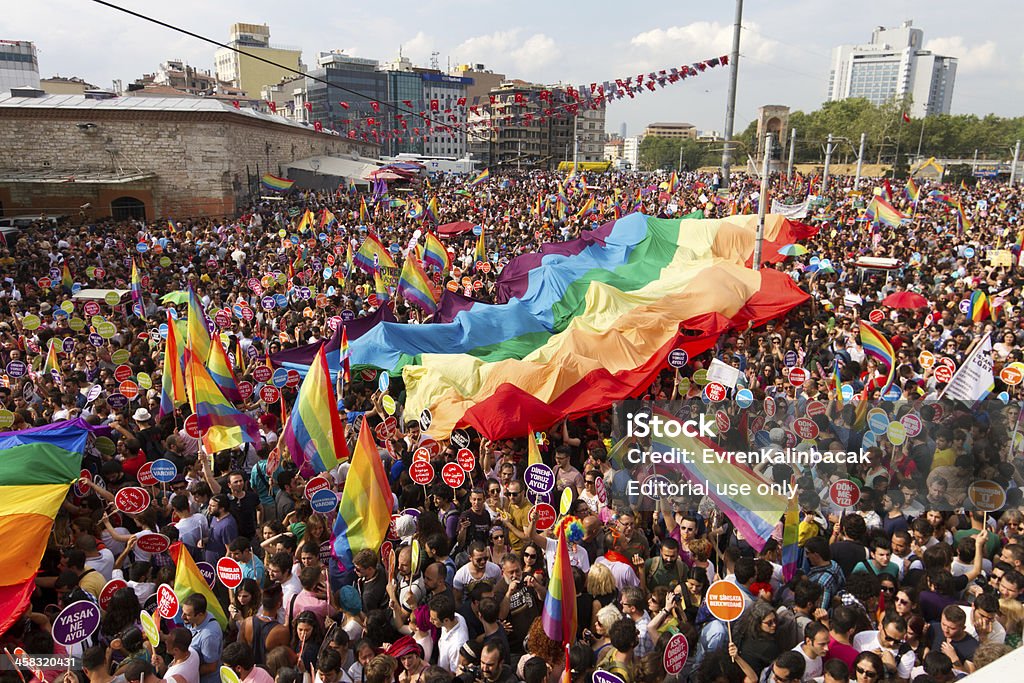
913 583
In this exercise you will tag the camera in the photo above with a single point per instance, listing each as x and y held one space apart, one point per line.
470 673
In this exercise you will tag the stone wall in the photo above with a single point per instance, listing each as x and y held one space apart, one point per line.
200 159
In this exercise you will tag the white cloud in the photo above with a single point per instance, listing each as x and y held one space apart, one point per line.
699 40
969 58
419 47
507 51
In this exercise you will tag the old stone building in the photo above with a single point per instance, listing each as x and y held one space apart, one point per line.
154 157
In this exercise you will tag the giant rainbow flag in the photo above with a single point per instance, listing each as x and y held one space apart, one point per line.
583 323
315 434
37 466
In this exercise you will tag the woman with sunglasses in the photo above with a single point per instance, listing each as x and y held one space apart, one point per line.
492 503
498 546
534 564
758 646
867 668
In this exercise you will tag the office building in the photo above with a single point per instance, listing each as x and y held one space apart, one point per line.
347 103
248 73
686 131
894 65
631 151
446 104
19 66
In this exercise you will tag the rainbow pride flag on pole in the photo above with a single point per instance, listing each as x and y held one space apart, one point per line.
188 580
37 466
434 253
67 282
416 287
913 191
365 509
370 248
137 290
980 309
51 366
272 182
559 614
315 434
198 339
480 254
878 347
484 176
791 539
431 211
221 371
754 514
836 377
881 211
221 424
172 388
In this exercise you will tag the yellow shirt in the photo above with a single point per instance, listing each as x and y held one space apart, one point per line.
520 517
943 458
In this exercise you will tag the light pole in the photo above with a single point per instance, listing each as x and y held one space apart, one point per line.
860 159
1013 168
828 161
792 152
762 202
730 101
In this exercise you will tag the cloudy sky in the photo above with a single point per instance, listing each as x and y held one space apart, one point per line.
786 44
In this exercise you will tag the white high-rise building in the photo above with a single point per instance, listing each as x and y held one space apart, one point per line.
19 66
631 151
893 65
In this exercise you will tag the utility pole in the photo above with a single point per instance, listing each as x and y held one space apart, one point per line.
762 202
860 159
730 101
974 164
679 166
1013 168
792 151
828 161
576 143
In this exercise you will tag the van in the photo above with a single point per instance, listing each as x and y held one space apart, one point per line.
22 222
872 266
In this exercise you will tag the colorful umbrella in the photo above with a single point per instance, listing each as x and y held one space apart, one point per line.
793 250
905 300
178 297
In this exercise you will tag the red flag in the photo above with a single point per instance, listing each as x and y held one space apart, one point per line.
318 127
906 119
407 103
235 104
308 106
272 105
344 105
433 105
375 105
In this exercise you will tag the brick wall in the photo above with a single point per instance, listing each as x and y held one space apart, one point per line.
200 159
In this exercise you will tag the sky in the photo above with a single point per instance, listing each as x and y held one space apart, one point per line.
785 45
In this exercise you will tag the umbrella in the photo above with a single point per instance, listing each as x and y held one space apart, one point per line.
178 297
793 250
905 300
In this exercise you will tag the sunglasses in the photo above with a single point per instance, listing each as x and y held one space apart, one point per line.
494 491
497 537
870 673
902 601
530 556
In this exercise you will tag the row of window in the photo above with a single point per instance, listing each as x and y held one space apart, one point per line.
19 57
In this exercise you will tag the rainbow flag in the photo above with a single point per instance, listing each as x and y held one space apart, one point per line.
272 182
942 198
348 260
434 253
963 184
137 290
533 456
51 366
365 509
480 254
878 347
416 287
484 176
364 213
188 580
37 466
673 182
221 424
221 371
431 210
240 360
881 211
587 208
415 209
754 514
198 340
838 382
979 306
912 190
372 256
380 289
315 434
172 388
172 226
559 614
886 191
346 368
965 222
66 281
327 219
306 222
791 539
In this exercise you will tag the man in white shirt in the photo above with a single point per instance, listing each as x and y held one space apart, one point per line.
453 631
102 560
982 622
814 648
476 570
887 643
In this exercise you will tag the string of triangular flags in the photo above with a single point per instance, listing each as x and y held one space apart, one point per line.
452 116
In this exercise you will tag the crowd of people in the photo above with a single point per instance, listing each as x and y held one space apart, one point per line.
913 583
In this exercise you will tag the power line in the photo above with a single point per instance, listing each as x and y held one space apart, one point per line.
786 43
191 34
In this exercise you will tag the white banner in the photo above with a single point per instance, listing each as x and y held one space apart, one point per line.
974 380
723 373
791 210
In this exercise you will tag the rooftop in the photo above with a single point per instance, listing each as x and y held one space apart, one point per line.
181 104
671 124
